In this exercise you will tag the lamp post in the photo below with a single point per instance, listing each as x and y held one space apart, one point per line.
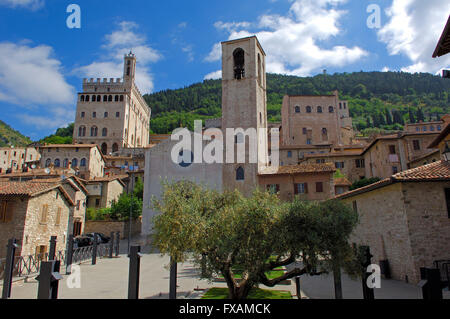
131 185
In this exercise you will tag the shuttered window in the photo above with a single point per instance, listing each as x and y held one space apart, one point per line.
44 213
58 216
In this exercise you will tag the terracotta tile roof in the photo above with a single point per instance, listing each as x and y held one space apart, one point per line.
69 145
434 172
299 169
342 181
29 188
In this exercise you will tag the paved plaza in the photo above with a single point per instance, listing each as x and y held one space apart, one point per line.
109 280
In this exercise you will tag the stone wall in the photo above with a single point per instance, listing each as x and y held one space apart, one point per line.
14 228
106 227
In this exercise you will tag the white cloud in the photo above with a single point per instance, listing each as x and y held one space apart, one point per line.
28 4
413 29
117 44
292 41
213 75
31 76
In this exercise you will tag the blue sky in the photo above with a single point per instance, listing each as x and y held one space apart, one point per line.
42 61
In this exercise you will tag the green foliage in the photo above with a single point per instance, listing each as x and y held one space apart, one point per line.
139 189
339 174
120 209
61 136
364 182
255 293
231 232
371 97
11 137
93 214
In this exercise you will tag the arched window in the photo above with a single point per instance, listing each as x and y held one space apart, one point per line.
94 115
121 98
80 131
57 162
74 162
240 174
297 109
331 109
48 162
319 109
115 148
104 149
116 98
308 109
132 139
110 98
82 98
105 98
94 131
239 63
128 71
87 98
83 162
138 141
99 98
66 163
105 132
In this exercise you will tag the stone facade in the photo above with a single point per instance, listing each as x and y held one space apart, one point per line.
102 192
404 227
106 227
29 227
244 105
84 159
316 120
113 114
16 159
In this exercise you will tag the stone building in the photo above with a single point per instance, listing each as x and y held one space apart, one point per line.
308 181
390 154
244 106
86 160
112 113
403 224
103 191
14 159
32 212
316 120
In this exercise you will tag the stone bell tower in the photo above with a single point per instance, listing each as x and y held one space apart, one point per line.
129 68
244 105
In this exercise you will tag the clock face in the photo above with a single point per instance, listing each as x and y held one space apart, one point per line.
181 162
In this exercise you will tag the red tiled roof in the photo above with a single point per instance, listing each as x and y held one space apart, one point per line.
299 169
342 181
30 188
434 172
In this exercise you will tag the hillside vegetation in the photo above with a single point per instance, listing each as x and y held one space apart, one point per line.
11 137
384 100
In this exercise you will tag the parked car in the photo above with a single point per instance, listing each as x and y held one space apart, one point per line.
101 238
82 241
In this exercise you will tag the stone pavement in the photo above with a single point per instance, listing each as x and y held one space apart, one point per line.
109 280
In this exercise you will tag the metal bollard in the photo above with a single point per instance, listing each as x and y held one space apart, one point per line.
9 268
297 287
111 245
173 280
431 284
368 293
49 278
69 255
94 250
117 243
52 251
134 272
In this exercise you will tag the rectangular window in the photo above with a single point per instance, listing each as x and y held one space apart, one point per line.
416 144
447 198
394 170
392 149
319 187
58 217
289 154
309 141
3 205
117 114
360 163
273 188
97 202
305 131
320 161
300 188
44 213
340 165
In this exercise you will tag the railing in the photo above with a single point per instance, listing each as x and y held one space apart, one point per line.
30 265
444 267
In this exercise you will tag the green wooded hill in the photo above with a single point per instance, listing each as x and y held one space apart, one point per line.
11 137
377 100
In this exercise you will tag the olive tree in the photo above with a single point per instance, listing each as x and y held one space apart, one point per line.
227 231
